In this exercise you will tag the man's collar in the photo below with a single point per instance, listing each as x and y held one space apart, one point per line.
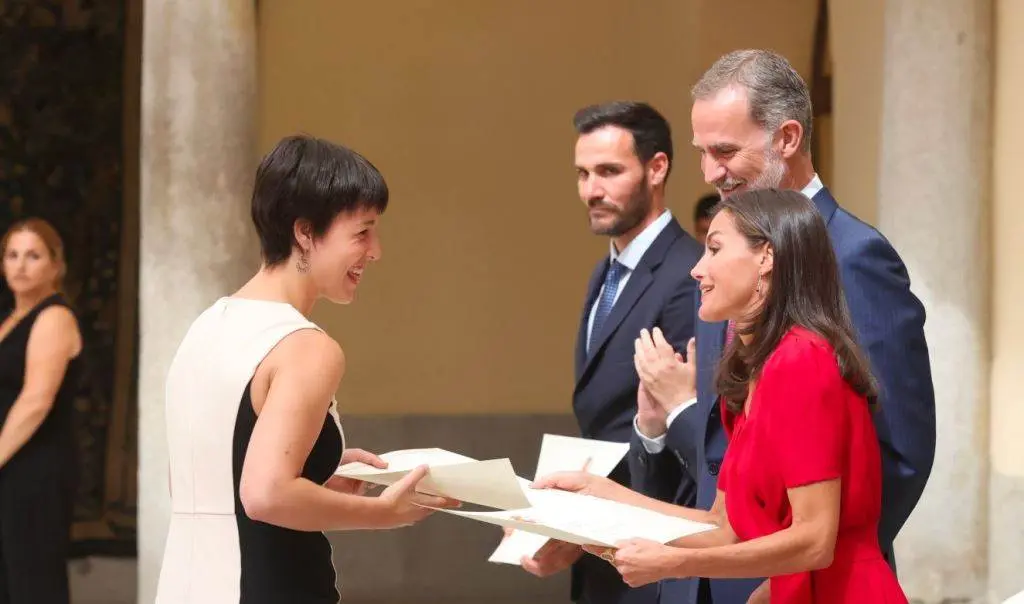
630 256
813 187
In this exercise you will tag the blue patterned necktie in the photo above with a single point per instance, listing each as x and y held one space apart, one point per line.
604 306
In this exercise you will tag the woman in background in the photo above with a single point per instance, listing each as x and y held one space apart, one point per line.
40 344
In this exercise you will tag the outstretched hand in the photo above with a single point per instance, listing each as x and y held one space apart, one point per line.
583 483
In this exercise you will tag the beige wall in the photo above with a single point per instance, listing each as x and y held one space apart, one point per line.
857 30
466 108
1006 489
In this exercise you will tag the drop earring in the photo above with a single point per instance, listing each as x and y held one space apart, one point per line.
303 262
757 288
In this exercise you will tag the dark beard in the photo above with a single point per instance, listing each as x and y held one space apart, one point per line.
627 219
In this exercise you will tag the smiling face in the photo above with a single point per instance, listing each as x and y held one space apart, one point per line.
30 267
728 273
613 182
337 260
736 153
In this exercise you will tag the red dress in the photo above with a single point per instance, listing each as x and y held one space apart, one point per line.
806 425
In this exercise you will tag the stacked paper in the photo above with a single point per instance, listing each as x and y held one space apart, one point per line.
536 514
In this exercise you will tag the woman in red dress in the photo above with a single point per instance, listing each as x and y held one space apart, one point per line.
800 490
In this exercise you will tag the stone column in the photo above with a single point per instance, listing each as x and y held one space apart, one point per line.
197 144
933 184
1006 489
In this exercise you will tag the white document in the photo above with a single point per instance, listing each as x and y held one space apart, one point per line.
404 461
560 454
492 483
518 544
539 513
586 520
569 454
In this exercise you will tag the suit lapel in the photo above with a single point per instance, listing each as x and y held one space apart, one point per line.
826 204
710 345
638 282
596 278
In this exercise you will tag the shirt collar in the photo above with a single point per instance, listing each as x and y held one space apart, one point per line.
630 256
813 187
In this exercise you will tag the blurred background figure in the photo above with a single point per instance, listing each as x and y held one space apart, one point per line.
702 215
40 346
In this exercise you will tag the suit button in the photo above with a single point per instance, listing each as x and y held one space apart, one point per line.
713 468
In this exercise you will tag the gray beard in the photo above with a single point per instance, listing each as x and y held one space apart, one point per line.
774 172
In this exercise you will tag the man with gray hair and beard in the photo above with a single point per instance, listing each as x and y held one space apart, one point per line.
623 157
751 120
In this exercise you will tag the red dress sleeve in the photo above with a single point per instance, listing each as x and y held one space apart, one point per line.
802 402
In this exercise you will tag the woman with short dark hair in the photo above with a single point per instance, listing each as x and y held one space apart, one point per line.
254 434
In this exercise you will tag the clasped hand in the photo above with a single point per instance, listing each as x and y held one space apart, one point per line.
667 379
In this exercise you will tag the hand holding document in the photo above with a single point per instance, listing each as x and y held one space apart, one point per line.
492 483
560 454
586 520
537 513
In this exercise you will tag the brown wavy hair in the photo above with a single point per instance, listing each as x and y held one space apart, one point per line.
804 290
51 239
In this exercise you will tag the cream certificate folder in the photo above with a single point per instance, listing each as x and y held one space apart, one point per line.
540 513
492 483
560 454
586 520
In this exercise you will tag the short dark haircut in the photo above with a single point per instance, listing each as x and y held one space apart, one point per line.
314 180
705 208
650 129
805 290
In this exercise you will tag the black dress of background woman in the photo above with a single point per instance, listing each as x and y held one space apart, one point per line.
40 346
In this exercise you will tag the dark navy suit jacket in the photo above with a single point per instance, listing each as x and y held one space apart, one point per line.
889 322
660 292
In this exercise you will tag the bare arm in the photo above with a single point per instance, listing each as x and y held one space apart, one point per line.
807 544
52 343
723 535
306 369
605 488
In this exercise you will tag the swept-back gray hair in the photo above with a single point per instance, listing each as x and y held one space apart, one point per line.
775 90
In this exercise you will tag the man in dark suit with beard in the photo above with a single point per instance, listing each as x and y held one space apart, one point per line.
623 158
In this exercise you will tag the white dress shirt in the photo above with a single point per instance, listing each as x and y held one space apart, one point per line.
657 444
629 257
